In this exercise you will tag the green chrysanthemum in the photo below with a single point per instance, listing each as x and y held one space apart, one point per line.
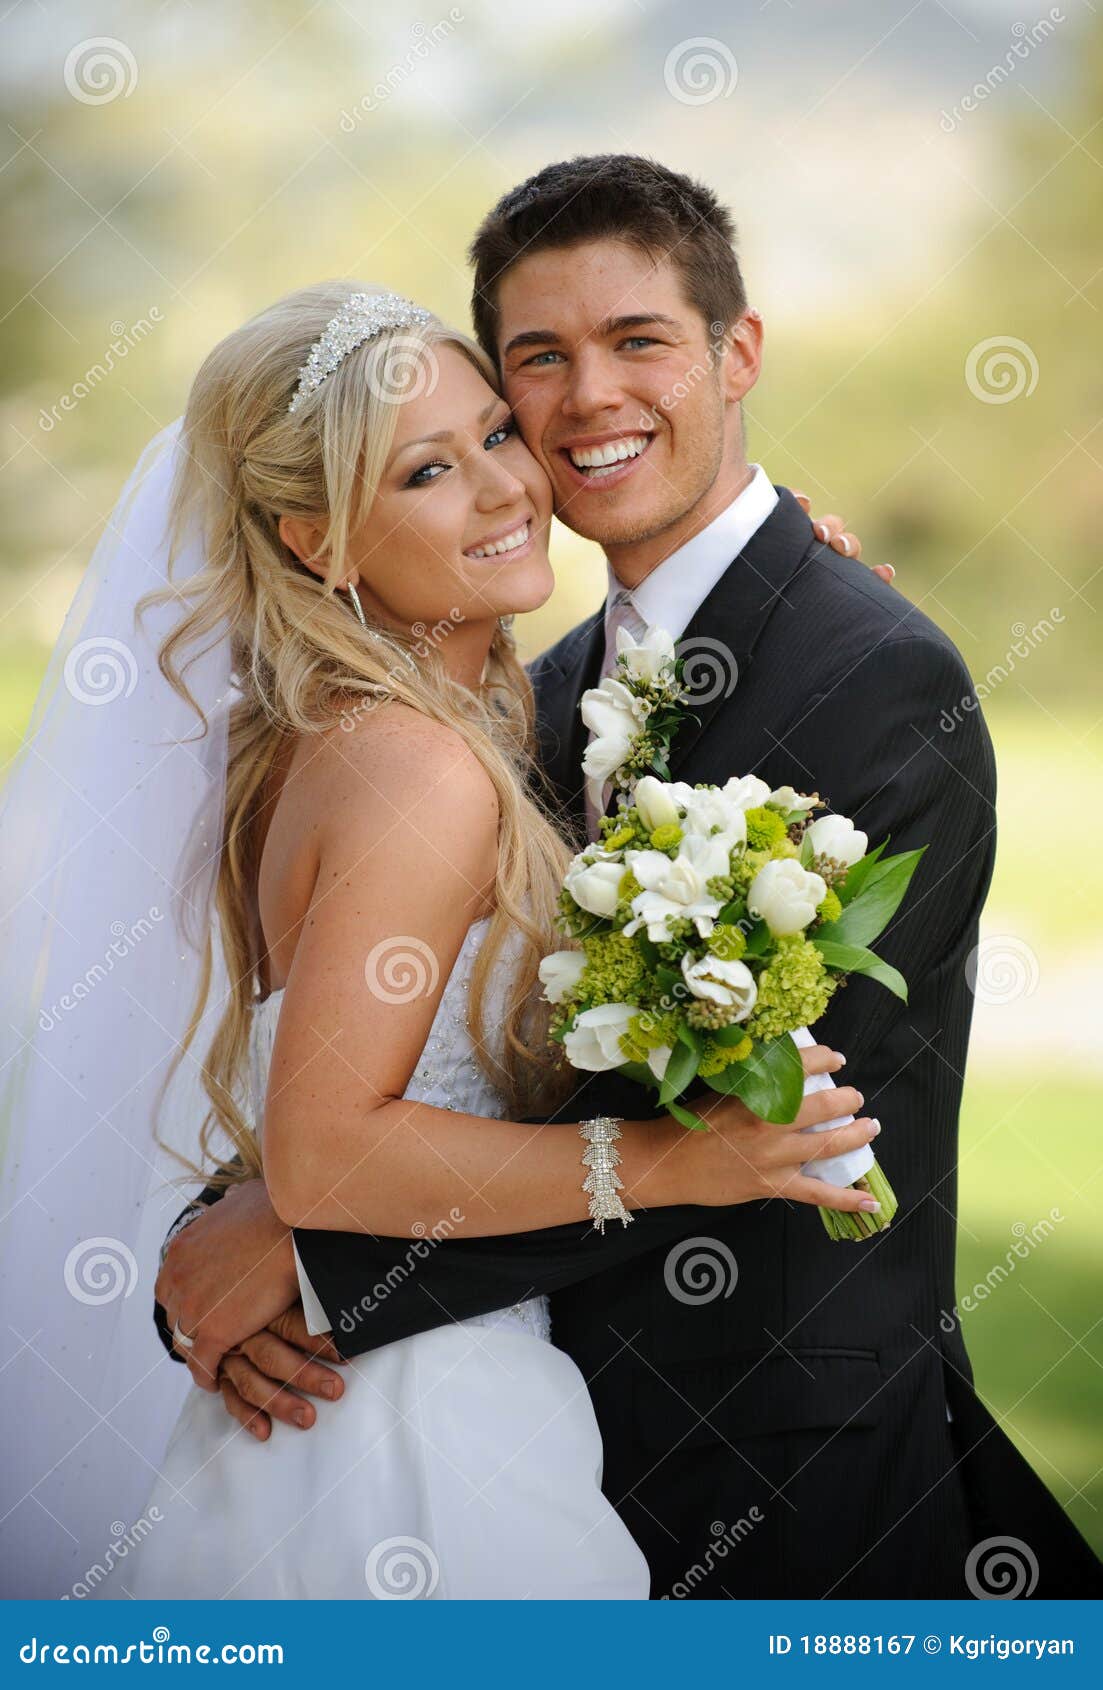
793 990
764 828
715 1058
667 837
831 909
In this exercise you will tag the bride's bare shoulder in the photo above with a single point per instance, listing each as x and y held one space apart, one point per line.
395 759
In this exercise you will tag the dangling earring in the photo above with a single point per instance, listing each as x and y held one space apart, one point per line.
381 639
505 623
355 597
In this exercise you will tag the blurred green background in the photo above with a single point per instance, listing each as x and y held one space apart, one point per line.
918 189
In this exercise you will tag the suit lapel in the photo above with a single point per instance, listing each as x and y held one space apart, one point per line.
721 636
719 642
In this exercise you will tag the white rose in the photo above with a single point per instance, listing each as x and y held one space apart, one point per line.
655 801
730 984
837 837
560 974
787 798
710 812
613 716
676 890
644 659
746 792
595 884
594 1041
785 895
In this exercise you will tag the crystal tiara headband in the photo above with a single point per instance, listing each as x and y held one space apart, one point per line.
362 316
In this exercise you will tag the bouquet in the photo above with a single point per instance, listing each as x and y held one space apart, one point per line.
711 923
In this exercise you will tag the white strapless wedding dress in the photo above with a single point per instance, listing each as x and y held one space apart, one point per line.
462 1463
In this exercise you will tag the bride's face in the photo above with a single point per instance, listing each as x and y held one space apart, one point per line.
460 520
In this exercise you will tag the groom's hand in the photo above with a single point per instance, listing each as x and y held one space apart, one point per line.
226 1277
253 1377
832 530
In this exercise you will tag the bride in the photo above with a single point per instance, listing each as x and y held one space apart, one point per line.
385 885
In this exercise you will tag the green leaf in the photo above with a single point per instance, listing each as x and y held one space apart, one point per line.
732 914
638 1072
691 1037
759 940
728 1036
855 959
770 1081
688 1118
858 873
680 1070
871 911
805 852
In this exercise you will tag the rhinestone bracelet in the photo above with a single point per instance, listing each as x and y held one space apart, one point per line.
602 1158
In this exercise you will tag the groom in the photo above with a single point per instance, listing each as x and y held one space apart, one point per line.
798 1419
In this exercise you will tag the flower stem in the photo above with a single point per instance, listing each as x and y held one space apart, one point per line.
857 1225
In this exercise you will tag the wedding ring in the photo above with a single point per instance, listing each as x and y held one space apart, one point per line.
181 1339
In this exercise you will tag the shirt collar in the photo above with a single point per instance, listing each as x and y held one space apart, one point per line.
673 592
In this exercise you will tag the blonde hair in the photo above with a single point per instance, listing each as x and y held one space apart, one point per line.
303 662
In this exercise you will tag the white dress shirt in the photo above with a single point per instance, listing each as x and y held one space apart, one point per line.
668 598
673 593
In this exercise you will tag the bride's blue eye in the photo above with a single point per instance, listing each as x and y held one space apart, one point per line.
421 477
502 432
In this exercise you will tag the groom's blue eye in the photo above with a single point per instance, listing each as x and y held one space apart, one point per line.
540 355
639 340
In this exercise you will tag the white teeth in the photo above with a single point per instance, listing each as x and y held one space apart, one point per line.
509 544
614 452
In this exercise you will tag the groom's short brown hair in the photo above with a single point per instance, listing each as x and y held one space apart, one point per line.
612 196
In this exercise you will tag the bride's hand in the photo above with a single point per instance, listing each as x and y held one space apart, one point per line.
742 1159
832 530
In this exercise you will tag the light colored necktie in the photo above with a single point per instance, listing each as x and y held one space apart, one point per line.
622 614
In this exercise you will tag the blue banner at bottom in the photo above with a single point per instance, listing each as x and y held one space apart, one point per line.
760 1643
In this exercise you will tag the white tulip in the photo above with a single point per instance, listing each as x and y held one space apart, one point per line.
746 792
837 837
729 984
711 813
657 1061
594 884
614 718
787 798
785 895
644 659
676 890
594 1041
560 974
655 801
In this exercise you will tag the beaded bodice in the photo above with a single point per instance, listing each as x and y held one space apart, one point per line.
448 1075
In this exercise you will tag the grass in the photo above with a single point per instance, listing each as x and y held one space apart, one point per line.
1036 1337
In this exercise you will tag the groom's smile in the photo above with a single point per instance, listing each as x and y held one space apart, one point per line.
622 392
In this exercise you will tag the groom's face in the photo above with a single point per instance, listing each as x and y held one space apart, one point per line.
614 385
